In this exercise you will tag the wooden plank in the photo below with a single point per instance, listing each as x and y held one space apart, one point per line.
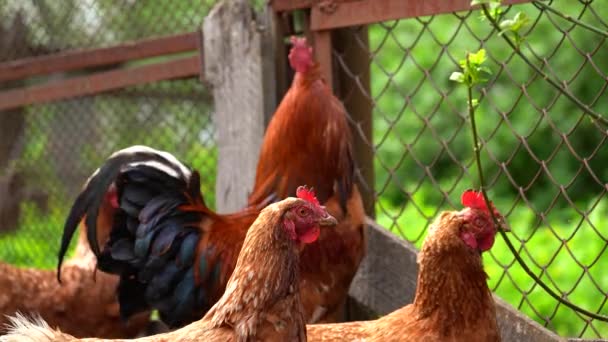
272 41
100 82
353 80
361 12
290 5
386 281
235 71
71 60
323 50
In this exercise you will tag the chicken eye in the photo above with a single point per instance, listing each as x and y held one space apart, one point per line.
302 212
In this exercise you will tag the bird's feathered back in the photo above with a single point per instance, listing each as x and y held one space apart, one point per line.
309 139
159 243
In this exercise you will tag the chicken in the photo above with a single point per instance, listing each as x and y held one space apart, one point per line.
453 301
83 305
175 255
308 141
261 301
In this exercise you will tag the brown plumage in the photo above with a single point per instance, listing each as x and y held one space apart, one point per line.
309 140
83 305
452 302
261 301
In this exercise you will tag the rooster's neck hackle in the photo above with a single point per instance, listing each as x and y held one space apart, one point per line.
452 285
305 79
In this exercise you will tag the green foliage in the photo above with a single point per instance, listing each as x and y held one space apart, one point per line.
473 70
514 26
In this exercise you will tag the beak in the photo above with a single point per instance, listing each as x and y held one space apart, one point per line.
328 221
504 226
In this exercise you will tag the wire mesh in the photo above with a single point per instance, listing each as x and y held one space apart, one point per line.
48 150
53 26
64 142
544 160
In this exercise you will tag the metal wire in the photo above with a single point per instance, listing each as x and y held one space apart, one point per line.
48 150
543 158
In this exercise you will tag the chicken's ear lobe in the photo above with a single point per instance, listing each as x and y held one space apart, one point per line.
289 226
469 239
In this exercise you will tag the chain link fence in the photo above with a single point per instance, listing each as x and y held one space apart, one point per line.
544 160
47 151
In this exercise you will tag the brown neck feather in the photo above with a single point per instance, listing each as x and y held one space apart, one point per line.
452 287
266 272
311 75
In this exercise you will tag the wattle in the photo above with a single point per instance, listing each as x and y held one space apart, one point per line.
311 235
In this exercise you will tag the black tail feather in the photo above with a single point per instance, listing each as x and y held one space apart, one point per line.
92 196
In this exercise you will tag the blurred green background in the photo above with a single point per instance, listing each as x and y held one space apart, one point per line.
544 160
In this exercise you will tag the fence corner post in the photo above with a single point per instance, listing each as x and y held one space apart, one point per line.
234 67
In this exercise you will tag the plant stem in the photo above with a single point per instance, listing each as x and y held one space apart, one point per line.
571 97
540 4
521 262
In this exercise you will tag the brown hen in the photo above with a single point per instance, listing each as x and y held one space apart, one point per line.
453 301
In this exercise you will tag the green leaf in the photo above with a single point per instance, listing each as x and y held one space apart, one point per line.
478 57
457 76
519 21
486 70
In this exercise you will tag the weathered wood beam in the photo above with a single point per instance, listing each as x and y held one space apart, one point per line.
290 5
235 70
323 50
78 59
100 82
352 13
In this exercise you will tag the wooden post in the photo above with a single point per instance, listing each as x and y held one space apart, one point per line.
233 53
353 84
323 50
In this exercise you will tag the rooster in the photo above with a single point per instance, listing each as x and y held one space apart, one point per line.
83 305
175 255
308 141
261 301
453 301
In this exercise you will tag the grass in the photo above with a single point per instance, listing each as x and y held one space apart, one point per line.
36 242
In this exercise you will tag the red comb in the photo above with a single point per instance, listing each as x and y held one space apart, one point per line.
298 41
307 194
473 199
